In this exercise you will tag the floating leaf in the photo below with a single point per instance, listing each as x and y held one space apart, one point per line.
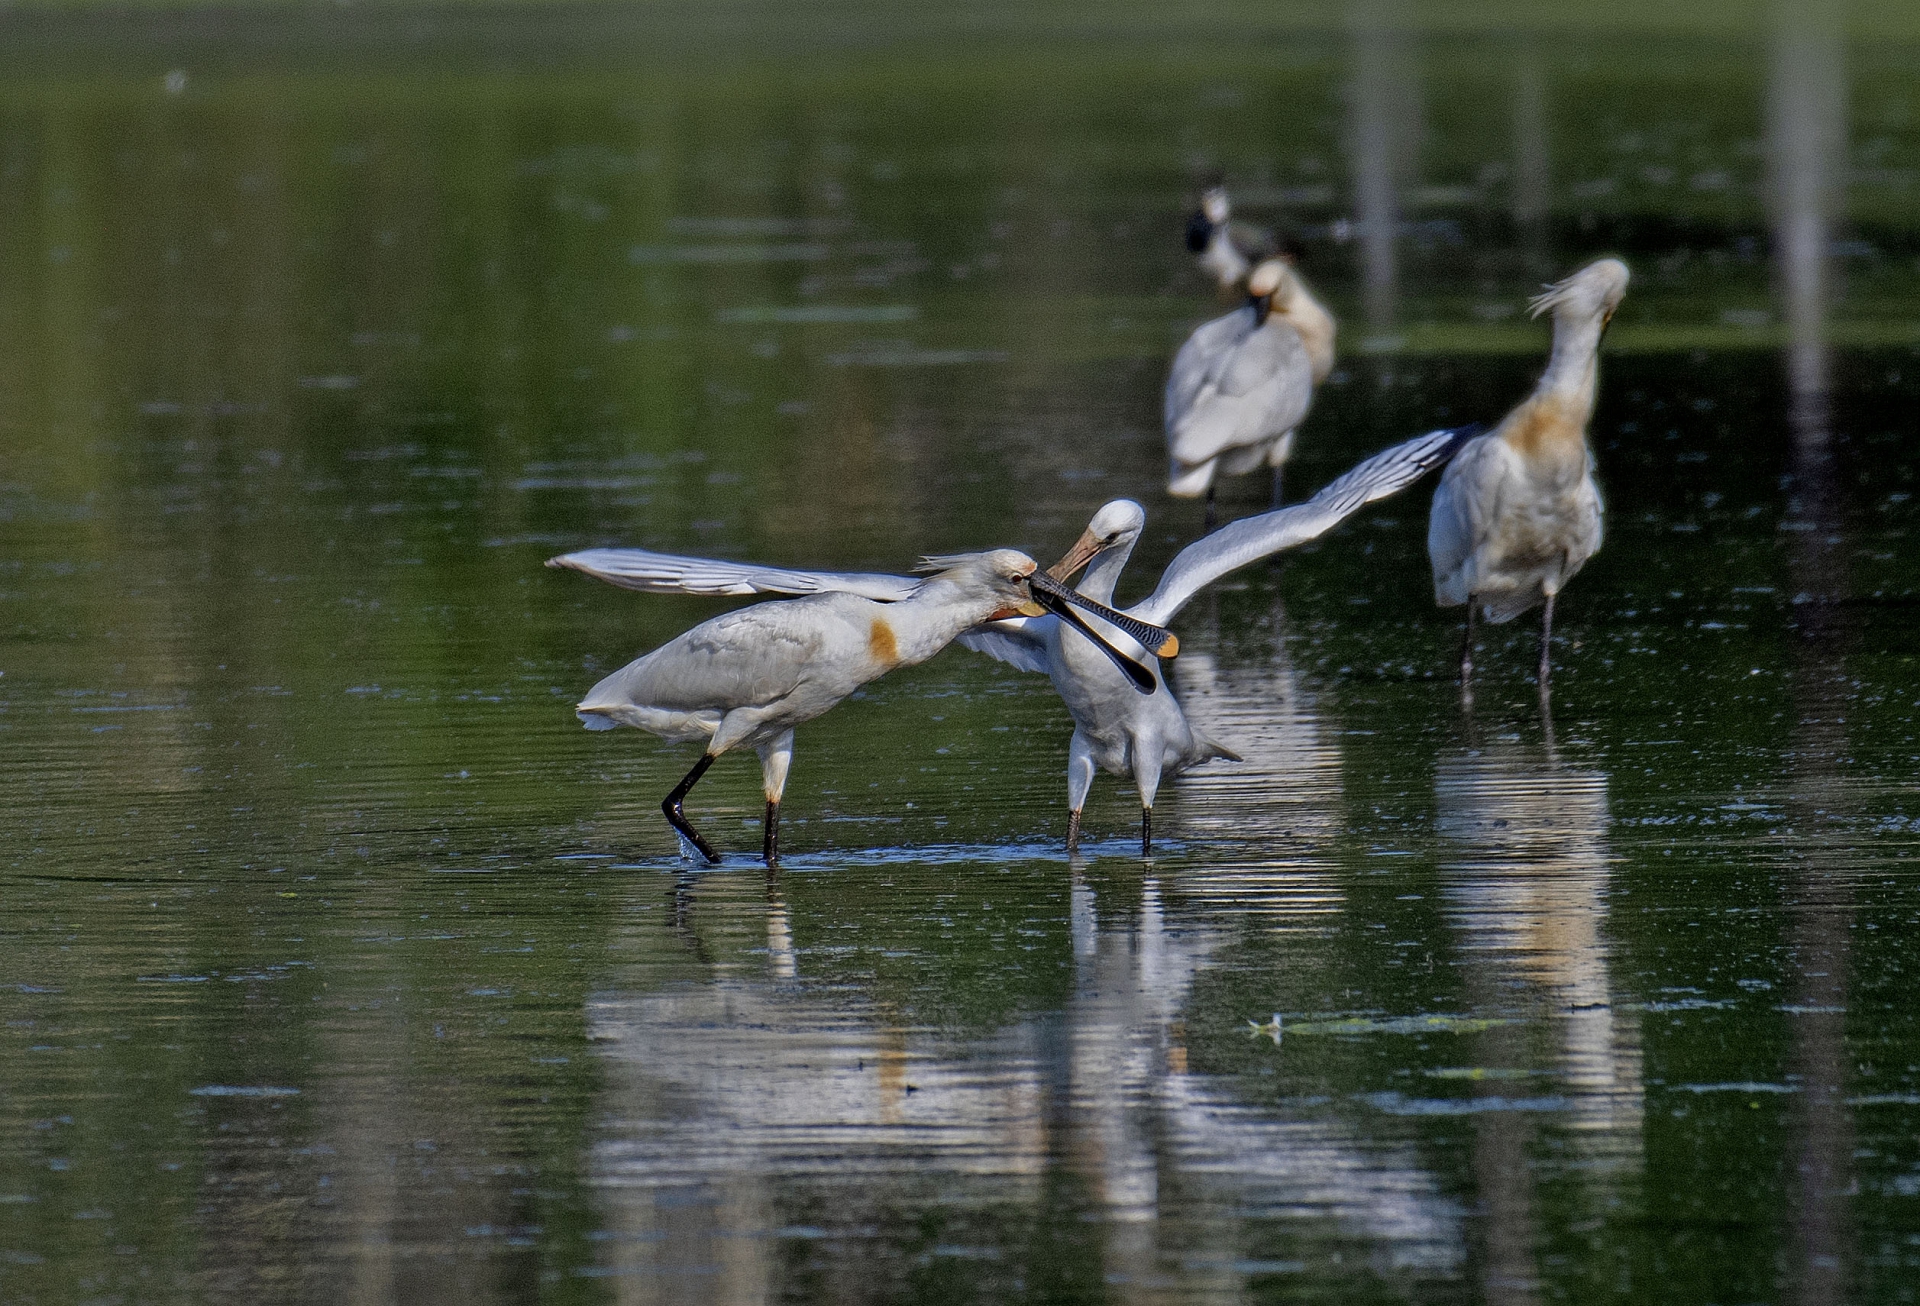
1398 1025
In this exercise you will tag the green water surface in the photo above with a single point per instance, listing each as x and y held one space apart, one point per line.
338 964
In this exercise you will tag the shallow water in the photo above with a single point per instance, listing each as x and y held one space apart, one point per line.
338 963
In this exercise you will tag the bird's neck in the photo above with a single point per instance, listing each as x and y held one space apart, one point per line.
1227 260
1573 370
1102 576
1550 427
930 618
1309 317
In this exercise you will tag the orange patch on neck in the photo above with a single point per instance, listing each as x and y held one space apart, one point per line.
881 644
1542 427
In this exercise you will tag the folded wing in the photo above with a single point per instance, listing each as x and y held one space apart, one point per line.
1234 385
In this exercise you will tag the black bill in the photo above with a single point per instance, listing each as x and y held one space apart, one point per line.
1061 601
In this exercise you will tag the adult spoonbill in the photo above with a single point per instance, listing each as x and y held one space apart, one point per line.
1145 736
1517 512
749 677
1226 250
1242 383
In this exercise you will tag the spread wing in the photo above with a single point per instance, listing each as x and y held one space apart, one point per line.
1017 641
1252 538
1235 387
671 573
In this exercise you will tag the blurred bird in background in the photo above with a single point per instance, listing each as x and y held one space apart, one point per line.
1226 250
1242 384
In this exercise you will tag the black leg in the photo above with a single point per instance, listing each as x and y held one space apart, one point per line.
1546 643
1073 830
770 842
1466 649
1278 473
1208 529
678 819
1146 832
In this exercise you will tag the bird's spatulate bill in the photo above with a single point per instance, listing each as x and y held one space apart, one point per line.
1061 602
1157 640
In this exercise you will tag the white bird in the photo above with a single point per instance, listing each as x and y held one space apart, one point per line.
1225 250
1145 736
1518 512
749 677
1241 384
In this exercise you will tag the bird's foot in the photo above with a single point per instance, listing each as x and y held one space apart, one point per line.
1146 832
1073 831
678 820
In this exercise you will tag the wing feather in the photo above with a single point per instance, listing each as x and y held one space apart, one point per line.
1251 538
672 573
1017 641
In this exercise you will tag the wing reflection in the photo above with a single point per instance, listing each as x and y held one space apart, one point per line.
1285 796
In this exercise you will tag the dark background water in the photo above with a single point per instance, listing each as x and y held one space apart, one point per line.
338 964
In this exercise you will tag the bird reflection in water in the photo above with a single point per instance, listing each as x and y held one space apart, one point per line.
744 1107
1525 885
1154 1141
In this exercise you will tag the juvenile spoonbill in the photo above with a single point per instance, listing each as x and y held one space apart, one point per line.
1145 736
1517 512
1242 383
747 678
1226 250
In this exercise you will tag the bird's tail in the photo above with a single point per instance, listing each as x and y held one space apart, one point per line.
1185 481
1214 748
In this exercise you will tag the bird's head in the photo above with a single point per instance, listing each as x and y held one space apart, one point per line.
1015 582
1270 286
1117 524
1203 221
1591 294
1001 574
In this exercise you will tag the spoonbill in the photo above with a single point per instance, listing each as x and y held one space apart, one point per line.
1517 512
1242 383
1145 736
1225 250
749 677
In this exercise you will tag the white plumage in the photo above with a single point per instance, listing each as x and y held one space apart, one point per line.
1518 511
1242 384
747 678
1116 728
1149 738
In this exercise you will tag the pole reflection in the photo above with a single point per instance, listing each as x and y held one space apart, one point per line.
1532 160
1807 139
1382 137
